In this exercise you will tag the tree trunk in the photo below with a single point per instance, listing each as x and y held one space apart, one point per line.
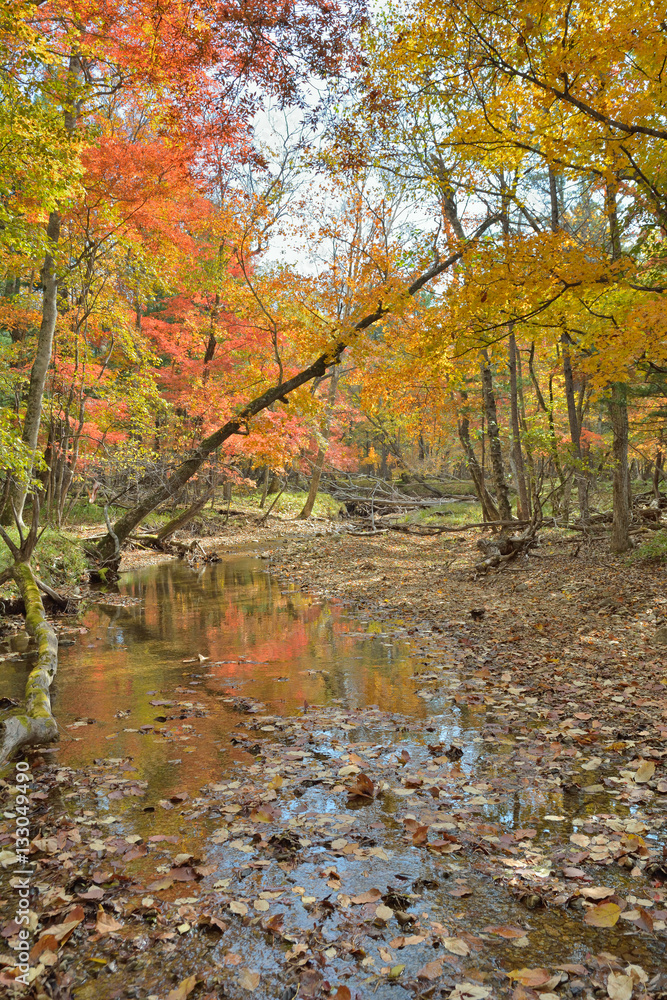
618 412
40 366
517 451
36 724
265 486
318 465
657 473
489 509
177 522
47 326
322 450
495 448
105 550
580 475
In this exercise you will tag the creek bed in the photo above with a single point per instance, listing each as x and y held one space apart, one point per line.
213 726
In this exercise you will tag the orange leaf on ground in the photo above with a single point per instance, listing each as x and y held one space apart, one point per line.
362 786
506 931
530 977
432 970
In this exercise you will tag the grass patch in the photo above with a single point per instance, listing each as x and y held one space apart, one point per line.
654 549
58 559
89 514
290 503
456 515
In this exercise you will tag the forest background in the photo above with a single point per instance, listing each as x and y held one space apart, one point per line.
444 254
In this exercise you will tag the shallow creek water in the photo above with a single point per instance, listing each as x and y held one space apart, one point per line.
225 646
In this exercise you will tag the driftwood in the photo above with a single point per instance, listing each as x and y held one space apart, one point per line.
53 594
36 724
505 548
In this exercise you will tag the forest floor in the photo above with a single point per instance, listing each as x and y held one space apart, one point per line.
511 842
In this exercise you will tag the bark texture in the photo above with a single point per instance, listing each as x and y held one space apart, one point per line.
318 465
40 366
489 509
523 511
618 412
574 421
495 448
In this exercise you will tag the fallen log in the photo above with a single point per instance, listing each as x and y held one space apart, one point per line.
177 522
505 548
439 529
36 723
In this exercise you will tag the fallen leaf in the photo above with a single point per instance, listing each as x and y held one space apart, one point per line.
530 977
342 993
463 890
395 971
603 915
248 979
183 990
645 920
431 971
619 987
366 897
163 883
457 946
574 873
362 786
61 932
644 772
237 907
597 892
506 931
184 874
106 923
469 991
93 893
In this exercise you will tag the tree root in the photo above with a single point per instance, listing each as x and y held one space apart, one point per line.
36 724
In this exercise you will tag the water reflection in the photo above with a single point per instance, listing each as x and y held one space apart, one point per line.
226 630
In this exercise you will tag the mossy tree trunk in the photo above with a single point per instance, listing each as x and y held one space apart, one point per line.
36 723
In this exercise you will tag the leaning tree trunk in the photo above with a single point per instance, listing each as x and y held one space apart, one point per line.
495 449
36 724
105 551
618 412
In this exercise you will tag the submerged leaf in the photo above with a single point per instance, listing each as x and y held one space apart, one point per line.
603 915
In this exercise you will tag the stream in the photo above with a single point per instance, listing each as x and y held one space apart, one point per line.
206 716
